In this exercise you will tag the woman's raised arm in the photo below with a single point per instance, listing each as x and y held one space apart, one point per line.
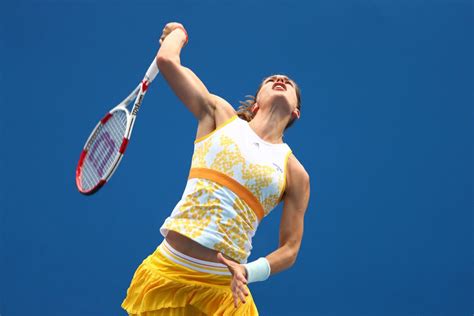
185 84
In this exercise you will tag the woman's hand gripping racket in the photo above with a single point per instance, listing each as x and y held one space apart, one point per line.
106 145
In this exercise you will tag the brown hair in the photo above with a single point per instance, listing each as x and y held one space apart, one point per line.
245 109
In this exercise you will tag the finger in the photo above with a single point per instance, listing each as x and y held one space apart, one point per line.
236 301
242 297
240 291
223 260
243 288
242 278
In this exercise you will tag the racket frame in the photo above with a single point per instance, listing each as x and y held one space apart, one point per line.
137 94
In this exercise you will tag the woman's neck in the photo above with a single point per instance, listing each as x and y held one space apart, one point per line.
268 127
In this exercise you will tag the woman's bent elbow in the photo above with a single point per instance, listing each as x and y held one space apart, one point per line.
164 61
292 260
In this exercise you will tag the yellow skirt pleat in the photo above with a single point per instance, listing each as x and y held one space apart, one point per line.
162 287
179 311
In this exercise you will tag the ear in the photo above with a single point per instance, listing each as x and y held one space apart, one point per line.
296 113
255 108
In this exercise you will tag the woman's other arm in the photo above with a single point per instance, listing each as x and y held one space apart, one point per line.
296 200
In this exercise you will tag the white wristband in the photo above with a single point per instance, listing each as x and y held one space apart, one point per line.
258 270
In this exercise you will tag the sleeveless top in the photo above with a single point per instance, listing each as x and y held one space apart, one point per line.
236 179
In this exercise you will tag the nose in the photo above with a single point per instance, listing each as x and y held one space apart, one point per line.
280 79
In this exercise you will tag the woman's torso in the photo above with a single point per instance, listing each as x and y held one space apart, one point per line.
260 167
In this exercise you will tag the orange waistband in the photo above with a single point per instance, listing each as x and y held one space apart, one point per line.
232 184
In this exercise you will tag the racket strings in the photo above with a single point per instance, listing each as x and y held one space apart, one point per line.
103 151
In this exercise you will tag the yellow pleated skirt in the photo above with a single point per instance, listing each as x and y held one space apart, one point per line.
170 283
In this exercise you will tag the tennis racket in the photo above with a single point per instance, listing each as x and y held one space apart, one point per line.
106 144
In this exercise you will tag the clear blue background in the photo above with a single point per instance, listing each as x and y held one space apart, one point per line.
385 134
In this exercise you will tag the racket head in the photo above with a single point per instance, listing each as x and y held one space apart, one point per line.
103 150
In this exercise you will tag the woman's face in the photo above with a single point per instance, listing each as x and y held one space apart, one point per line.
278 90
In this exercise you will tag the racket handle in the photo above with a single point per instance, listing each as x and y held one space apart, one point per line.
152 71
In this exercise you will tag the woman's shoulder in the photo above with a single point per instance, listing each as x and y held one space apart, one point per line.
296 170
223 110
221 114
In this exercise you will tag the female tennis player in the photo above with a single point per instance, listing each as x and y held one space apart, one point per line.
241 169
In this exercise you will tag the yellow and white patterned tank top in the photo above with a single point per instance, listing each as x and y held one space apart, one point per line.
236 179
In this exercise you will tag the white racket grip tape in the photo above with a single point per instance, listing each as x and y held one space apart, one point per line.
152 71
258 270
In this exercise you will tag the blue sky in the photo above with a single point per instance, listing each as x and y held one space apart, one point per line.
385 134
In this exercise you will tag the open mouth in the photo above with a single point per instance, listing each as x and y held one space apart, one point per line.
279 86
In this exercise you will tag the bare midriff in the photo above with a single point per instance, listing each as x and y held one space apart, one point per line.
191 248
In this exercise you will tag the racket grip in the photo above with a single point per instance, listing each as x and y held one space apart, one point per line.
152 71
